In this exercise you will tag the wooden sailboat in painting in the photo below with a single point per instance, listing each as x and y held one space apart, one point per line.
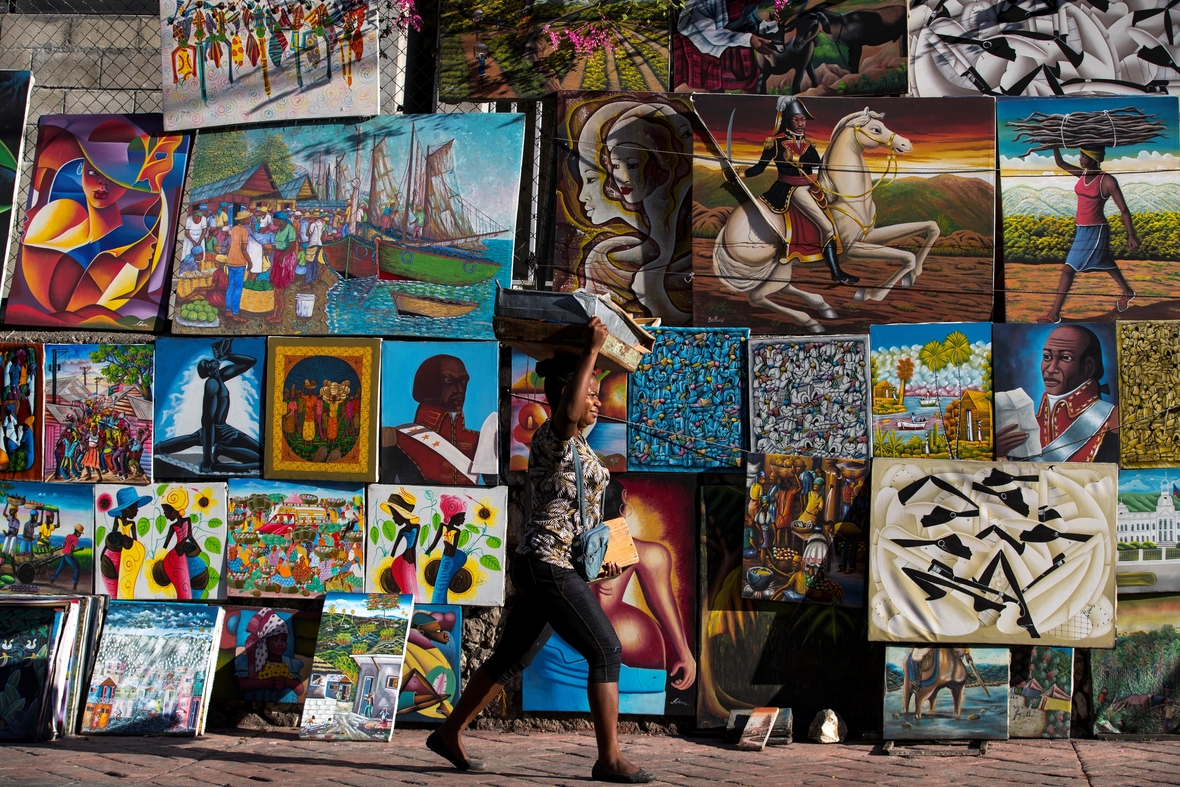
421 229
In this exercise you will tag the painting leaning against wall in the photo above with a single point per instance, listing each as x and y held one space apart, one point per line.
1135 684
974 705
1042 692
651 607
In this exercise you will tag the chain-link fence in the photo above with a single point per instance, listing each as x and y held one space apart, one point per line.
103 57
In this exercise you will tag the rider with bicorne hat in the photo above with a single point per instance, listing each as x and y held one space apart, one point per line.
810 233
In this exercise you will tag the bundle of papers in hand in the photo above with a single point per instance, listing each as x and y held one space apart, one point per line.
541 324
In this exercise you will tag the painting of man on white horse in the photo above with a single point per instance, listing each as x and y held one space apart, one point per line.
817 231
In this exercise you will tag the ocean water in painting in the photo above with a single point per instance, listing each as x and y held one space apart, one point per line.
376 299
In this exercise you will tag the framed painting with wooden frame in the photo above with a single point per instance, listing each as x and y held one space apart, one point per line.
322 422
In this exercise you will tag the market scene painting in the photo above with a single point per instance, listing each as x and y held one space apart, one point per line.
806 530
399 225
301 540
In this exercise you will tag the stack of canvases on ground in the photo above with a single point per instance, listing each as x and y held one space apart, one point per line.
396 226
817 214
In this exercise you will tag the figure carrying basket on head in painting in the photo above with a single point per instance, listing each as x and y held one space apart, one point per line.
796 194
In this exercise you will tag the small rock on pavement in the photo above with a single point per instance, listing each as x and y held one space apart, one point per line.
827 727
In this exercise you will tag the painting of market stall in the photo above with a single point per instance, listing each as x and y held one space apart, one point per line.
399 226
295 539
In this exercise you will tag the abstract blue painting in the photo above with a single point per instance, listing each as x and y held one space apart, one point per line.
686 401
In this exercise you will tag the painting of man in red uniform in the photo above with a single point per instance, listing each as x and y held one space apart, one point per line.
450 435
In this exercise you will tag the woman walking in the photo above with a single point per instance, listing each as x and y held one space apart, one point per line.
1091 241
551 595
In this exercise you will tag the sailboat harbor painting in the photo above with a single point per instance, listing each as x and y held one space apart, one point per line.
351 229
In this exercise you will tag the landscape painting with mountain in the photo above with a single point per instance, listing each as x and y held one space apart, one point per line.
889 216
397 226
507 49
1078 174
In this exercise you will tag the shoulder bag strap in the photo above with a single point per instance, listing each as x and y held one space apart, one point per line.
581 483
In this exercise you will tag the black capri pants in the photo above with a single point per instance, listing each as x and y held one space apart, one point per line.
548 599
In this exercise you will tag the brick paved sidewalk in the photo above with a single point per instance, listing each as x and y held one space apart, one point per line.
242 757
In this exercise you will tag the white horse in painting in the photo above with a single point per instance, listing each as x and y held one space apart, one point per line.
749 254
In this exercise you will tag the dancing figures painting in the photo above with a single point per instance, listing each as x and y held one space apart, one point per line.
624 216
99 223
99 412
239 61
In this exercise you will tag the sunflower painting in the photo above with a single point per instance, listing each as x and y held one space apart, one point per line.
445 545
165 542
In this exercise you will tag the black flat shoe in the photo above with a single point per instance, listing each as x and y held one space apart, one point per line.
601 774
435 744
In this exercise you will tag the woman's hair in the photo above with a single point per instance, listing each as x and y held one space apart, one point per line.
557 372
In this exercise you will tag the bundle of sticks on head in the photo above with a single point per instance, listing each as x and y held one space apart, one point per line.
1102 129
